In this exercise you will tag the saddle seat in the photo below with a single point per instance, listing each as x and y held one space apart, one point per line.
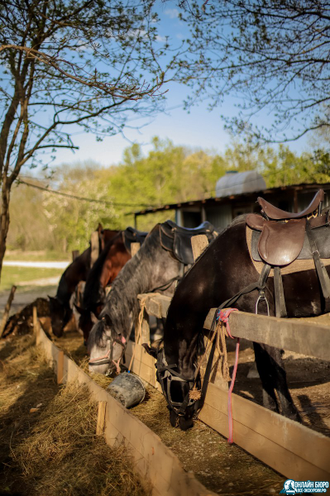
275 213
177 239
282 238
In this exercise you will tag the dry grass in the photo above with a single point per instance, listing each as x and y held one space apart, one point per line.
48 434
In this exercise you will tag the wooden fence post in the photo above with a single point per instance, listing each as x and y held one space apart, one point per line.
60 367
95 247
134 248
198 244
101 416
36 324
7 310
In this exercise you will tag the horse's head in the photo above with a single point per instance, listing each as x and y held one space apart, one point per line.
60 315
105 349
182 392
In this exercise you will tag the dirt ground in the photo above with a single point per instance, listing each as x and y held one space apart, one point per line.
223 468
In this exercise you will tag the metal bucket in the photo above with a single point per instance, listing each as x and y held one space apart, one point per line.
128 389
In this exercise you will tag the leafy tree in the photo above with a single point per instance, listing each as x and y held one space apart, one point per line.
272 56
70 64
71 221
168 174
30 228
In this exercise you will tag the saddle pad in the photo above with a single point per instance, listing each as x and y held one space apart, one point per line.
304 260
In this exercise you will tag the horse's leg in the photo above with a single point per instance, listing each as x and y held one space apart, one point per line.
273 377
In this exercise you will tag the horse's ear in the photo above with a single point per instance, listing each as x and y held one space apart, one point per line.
51 298
150 350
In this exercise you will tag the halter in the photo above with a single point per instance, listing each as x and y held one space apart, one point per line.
166 371
108 357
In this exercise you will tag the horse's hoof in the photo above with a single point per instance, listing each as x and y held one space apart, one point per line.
173 419
185 424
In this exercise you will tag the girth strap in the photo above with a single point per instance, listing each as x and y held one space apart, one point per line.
320 268
260 285
280 306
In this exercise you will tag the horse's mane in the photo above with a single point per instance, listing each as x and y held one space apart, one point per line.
134 278
97 337
92 286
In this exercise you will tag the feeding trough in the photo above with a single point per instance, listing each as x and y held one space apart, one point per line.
128 389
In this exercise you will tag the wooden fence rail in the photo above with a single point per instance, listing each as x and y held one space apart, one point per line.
152 459
292 449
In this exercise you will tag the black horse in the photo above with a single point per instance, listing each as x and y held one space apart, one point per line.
225 272
157 266
60 307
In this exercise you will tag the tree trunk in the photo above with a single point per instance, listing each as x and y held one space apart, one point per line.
4 227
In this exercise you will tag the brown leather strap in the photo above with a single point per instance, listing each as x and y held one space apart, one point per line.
320 269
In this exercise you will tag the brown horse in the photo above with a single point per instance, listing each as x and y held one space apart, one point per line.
105 270
60 308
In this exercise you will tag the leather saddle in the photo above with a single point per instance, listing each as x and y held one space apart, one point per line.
280 237
132 235
177 239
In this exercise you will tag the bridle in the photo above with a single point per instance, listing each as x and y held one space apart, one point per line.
166 375
107 359
195 396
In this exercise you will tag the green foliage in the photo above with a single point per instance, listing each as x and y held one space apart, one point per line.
29 227
168 174
70 220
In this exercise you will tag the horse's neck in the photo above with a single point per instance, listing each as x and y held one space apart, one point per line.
140 275
93 287
76 272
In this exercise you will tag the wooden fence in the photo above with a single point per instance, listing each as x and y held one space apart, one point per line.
152 459
290 448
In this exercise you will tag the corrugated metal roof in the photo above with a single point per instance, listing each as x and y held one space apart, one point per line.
238 183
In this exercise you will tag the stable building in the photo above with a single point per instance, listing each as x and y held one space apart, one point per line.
236 194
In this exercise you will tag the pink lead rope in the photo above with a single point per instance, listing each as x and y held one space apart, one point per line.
223 316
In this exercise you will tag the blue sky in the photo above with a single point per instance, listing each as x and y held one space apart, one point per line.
198 129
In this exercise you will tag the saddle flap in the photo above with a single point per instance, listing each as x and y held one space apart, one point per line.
281 242
182 249
177 239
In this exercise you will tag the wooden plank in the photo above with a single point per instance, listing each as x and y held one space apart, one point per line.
156 304
7 309
302 337
134 248
198 244
60 366
101 416
151 457
95 247
288 334
289 447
